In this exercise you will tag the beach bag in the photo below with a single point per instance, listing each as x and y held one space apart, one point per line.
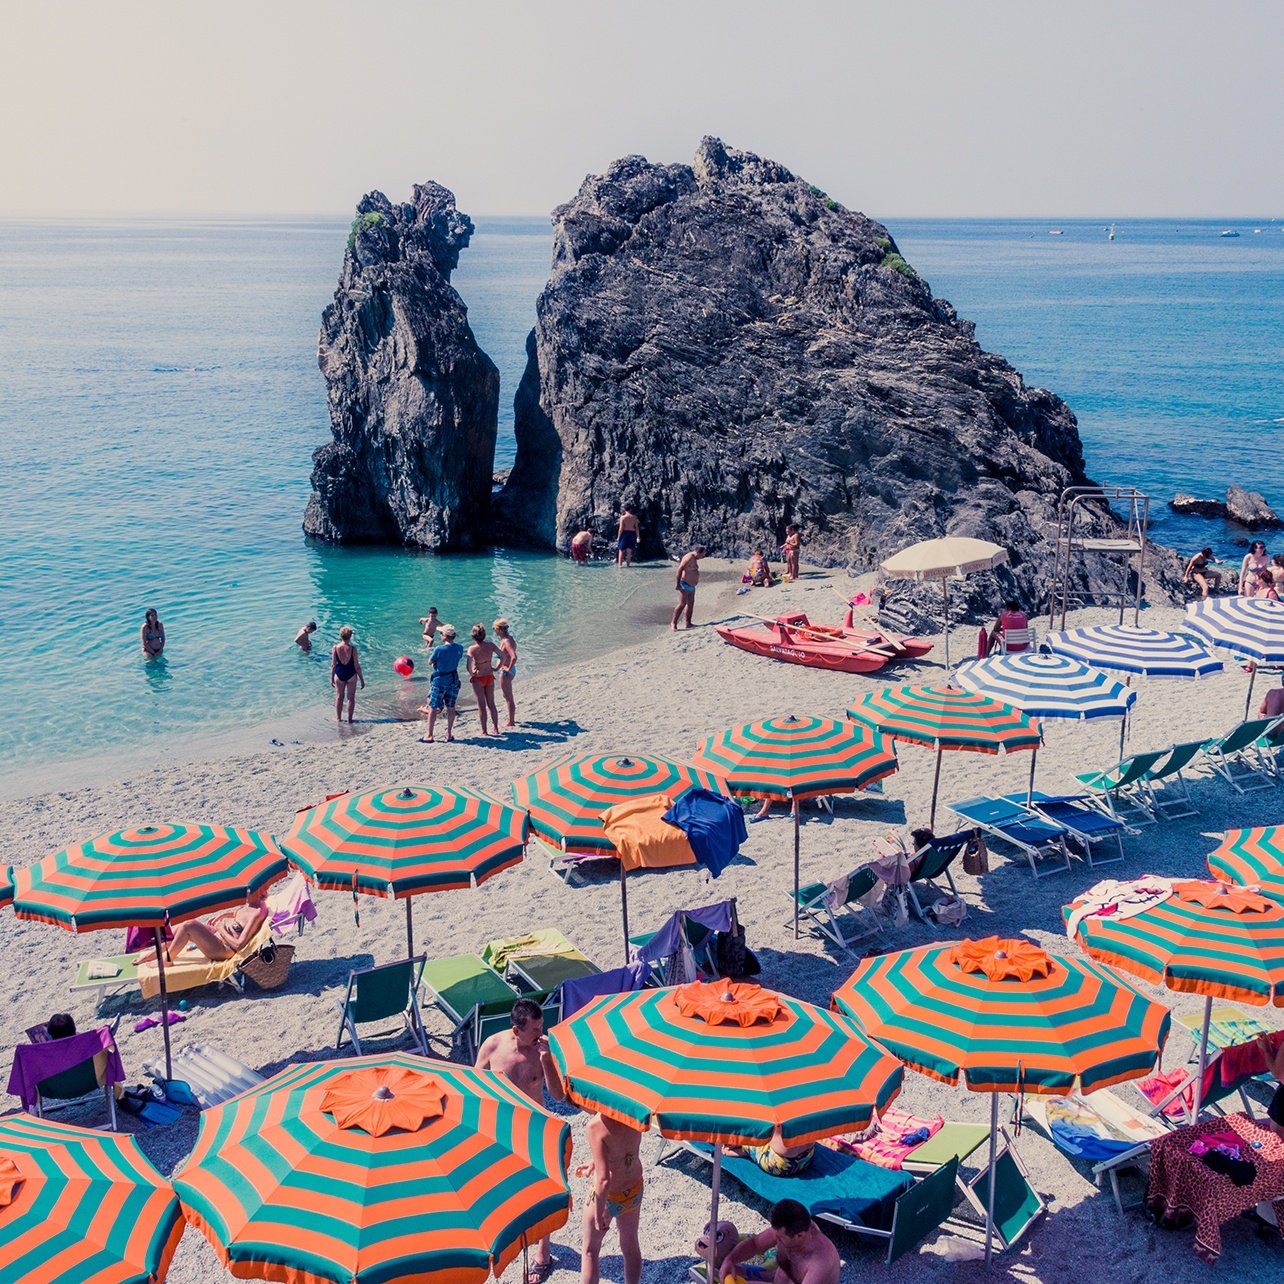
269 965
735 959
976 857
949 911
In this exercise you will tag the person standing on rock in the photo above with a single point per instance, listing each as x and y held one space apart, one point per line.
345 673
688 578
507 668
626 538
792 547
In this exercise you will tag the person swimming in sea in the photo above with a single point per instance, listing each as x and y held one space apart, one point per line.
345 673
152 635
508 667
303 638
483 661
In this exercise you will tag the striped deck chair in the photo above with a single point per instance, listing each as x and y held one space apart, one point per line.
1235 757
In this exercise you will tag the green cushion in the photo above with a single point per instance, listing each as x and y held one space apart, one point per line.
464 981
953 1141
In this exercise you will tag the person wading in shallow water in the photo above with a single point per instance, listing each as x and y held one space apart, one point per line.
345 673
152 635
688 578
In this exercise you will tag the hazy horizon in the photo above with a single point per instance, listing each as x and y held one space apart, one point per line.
1002 108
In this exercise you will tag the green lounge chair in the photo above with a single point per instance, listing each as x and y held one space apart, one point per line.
461 986
1016 1203
1227 1026
1168 789
1235 757
116 975
380 994
1270 749
538 961
77 1083
835 910
1120 790
933 860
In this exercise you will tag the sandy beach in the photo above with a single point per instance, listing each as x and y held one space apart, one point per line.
661 693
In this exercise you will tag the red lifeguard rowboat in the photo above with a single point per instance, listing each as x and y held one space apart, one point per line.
795 640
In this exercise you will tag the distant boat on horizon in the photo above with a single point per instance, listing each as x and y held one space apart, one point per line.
1110 236
1230 231
1055 231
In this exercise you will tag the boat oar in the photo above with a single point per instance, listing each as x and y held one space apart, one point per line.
828 637
893 639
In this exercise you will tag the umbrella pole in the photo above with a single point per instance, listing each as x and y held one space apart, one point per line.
713 1210
936 783
1248 699
945 596
624 909
410 931
989 1207
1203 1059
164 997
1123 722
1029 790
797 827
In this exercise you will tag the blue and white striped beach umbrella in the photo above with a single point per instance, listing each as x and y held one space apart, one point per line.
1125 648
1047 686
1249 626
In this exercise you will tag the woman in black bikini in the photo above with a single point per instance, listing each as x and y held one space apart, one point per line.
345 673
152 635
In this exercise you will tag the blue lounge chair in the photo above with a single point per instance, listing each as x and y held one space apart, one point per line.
1035 837
877 1203
1084 823
1238 760
1120 791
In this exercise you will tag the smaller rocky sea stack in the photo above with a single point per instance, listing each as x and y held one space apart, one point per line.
413 400
730 350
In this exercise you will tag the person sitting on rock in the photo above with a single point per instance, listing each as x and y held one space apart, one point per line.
1197 572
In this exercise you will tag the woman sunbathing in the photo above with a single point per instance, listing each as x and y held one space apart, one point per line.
223 937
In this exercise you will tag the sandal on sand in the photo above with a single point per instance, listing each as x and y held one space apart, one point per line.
538 1273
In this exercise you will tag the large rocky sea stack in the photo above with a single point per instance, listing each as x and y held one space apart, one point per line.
413 400
730 350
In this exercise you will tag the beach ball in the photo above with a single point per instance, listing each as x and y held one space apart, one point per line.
404 665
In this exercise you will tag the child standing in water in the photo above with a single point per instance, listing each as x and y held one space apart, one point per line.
508 667
483 659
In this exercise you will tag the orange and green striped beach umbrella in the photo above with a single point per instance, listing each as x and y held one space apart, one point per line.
1206 938
148 877
723 1062
943 717
6 886
794 757
566 797
1252 858
376 1170
1003 1015
81 1206
405 840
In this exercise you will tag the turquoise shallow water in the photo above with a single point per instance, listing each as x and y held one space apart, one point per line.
159 403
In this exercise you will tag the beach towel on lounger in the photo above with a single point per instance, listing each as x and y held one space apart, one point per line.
894 1136
192 969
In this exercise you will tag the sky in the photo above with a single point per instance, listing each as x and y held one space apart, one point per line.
982 108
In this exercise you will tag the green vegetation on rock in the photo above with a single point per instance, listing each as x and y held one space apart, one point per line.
897 264
362 223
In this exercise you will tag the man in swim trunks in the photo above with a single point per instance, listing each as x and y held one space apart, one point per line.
483 660
430 625
303 638
626 538
444 688
508 667
581 547
687 579
521 1055
615 1192
776 1158
804 1254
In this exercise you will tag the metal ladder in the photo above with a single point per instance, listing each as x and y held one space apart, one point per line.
1072 543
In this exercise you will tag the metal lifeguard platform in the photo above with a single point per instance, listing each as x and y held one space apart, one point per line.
1074 540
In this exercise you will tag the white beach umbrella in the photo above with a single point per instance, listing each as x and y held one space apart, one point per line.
1252 627
954 557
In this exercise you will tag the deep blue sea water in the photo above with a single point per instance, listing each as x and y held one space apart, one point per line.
160 400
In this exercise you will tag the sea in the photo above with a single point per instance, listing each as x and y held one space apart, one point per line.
160 402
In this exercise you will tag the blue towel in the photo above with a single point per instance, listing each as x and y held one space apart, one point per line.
834 1182
714 826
